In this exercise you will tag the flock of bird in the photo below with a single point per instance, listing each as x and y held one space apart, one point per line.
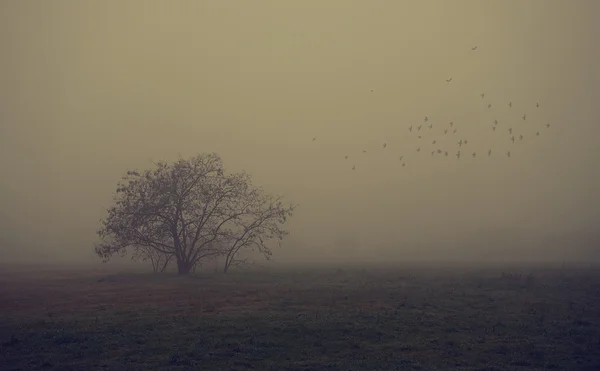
450 129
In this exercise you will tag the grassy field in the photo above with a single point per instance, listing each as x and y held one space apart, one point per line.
375 318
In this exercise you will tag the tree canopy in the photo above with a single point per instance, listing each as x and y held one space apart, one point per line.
191 210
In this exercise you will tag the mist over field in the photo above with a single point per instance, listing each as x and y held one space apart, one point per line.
89 90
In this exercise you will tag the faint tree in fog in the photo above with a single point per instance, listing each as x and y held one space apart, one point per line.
159 260
185 209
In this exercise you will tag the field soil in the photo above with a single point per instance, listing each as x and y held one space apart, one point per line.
374 318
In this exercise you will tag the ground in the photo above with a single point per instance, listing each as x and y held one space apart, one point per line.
374 318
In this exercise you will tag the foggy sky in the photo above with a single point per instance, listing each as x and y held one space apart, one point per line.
91 89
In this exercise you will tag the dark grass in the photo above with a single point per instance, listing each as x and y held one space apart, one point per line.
325 319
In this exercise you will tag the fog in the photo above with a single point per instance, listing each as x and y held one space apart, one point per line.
91 89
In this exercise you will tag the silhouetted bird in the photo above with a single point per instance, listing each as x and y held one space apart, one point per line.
430 126
418 149
364 151
384 145
508 153
315 138
512 138
419 128
454 131
495 122
474 154
345 157
525 117
404 164
509 104
458 154
445 131
401 158
482 95
419 137
521 137
537 104
439 151
509 130
547 125
489 152
426 119
465 142
474 48
446 153
410 128
489 105
537 134
493 128
432 152
353 167
448 80
433 142
460 142
451 123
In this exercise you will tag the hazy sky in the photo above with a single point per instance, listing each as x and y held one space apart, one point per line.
89 89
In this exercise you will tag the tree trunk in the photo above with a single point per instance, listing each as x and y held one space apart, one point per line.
183 267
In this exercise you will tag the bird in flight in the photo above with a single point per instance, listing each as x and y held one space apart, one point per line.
474 154
426 118
455 131
537 104
430 126
482 95
512 138
404 164
509 130
439 151
509 104
401 158
521 137
537 134
419 149
419 128
489 152
419 137
508 153
547 125
384 145
493 128
495 122
451 123
353 167
490 105
433 142
410 128
448 80
525 117
465 142
345 157
432 152
445 131
446 153
458 154
460 143
364 151
315 138
474 48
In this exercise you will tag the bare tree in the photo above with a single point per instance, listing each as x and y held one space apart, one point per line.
262 222
178 209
